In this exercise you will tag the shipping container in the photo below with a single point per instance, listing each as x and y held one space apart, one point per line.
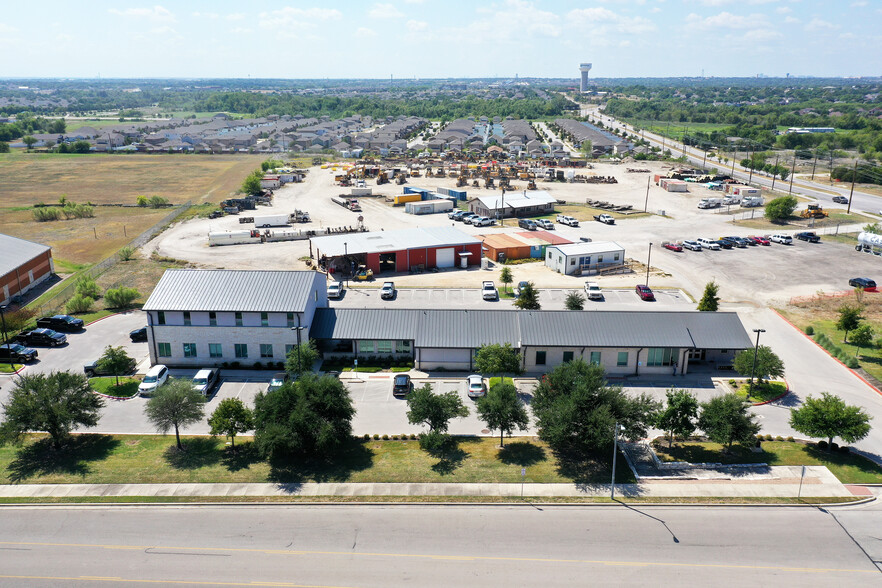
234 237
404 198
271 220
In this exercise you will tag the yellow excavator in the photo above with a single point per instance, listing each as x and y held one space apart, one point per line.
813 211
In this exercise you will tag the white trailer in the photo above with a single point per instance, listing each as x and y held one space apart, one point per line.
710 203
361 191
869 243
234 237
271 220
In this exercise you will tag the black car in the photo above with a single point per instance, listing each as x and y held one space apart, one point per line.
724 244
735 241
16 352
61 322
401 385
808 236
528 223
840 200
93 369
865 283
138 335
43 337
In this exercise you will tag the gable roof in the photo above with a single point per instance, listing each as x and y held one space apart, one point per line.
517 199
387 241
232 290
15 252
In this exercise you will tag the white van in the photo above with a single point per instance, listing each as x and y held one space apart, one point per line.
205 381
708 244
782 239
156 377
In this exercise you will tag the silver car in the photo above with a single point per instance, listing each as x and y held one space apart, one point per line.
476 386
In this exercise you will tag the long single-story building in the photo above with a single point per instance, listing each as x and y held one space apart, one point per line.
513 204
233 317
519 245
23 265
584 258
402 250
623 342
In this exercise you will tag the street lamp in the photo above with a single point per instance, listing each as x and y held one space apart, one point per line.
346 259
5 340
648 258
612 487
753 368
299 361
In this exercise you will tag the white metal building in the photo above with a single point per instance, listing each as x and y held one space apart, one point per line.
581 258
535 203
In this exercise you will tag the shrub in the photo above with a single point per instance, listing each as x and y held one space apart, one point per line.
79 304
121 297
732 383
768 437
50 213
844 449
834 446
810 330
86 286
822 444
366 437
157 202
385 437
257 365
376 436
126 253
413 435
433 441
852 363
779 438
789 439
395 437
235 365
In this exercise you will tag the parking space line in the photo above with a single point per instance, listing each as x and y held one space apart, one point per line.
241 388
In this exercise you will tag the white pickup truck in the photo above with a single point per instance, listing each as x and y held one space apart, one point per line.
605 218
567 220
488 291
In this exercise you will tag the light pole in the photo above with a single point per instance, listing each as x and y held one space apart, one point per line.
299 360
5 340
753 368
648 258
612 487
346 259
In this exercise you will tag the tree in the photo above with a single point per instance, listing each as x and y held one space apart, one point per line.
768 364
301 359
710 302
726 420
230 418
126 253
586 148
175 404
505 276
574 301
251 185
828 416
29 141
862 337
502 409
528 298
497 359
17 320
87 286
120 297
434 410
4 147
850 318
79 303
57 403
780 209
576 409
311 415
679 415
115 361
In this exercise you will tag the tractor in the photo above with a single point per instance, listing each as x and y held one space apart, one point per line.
814 211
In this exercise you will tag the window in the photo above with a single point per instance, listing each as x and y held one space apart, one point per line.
594 358
616 257
288 349
163 349
241 349
402 346
540 358
266 349
573 261
290 318
160 317
189 350
239 321
366 346
264 319
659 356
215 350
187 322
567 356
622 359
599 259
212 319
384 347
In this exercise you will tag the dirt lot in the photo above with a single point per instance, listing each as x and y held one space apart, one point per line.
30 178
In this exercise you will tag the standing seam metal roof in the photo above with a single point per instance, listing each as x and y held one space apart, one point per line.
15 252
232 290
387 241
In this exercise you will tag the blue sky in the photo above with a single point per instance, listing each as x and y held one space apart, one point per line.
439 38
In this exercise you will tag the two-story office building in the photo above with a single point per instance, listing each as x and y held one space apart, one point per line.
216 317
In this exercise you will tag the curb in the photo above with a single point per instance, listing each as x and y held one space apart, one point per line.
777 398
16 372
857 375
104 317
115 397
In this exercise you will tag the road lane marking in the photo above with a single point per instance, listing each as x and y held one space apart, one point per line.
452 557
181 582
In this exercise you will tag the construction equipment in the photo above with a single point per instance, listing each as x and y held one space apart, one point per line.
382 178
488 182
531 185
461 181
400 179
364 274
813 211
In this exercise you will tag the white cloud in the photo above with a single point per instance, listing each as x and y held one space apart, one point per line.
727 20
414 1
241 31
762 35
724 2
235 16
206 15
514 21
385 11
609 21
292 22
791 20
6 29
859 4
817 24
783 10
415 26
155 14
365 32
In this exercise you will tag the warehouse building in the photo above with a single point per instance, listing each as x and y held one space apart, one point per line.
520 245
398 251
584 258
23 265
513 204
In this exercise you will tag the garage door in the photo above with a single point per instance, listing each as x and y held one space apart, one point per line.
453 359
444 257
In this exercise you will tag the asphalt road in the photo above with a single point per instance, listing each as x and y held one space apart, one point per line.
430 546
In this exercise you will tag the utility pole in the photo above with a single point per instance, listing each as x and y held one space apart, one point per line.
774 172
814 163
648 258
734 157
851 192
792 172
749 166
612 486
646 202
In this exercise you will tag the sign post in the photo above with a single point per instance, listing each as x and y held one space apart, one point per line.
801 477
523 475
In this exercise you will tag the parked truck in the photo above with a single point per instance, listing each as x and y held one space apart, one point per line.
751 201
567 220
350 203
234 237
710 203
271 220
605 219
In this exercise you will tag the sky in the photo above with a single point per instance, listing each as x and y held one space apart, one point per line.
439 38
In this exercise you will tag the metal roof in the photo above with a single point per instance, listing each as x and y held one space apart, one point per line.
234 290
517 199
588 248
387 241
544 328
15 252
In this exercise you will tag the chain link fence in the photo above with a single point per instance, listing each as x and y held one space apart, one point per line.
61 295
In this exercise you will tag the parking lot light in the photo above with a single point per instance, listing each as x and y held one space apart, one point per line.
5 339
648 258
753 368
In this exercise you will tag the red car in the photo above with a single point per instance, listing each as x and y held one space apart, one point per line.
645 293
672 246
759 240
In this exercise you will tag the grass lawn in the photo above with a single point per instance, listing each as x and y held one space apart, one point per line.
835 218
6 368
128 387
140 459
493 381
762 392
849 468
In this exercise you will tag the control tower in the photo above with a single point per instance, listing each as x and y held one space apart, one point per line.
584 68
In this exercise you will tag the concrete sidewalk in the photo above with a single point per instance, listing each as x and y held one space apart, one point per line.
818 482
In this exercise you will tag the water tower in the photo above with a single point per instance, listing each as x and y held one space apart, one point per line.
584 68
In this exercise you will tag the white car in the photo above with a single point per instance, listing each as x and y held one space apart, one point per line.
476 386
545 223
387 292
205 381
155 377
691 245
593 291
335 290
488 291
782 239
481 221
709 244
